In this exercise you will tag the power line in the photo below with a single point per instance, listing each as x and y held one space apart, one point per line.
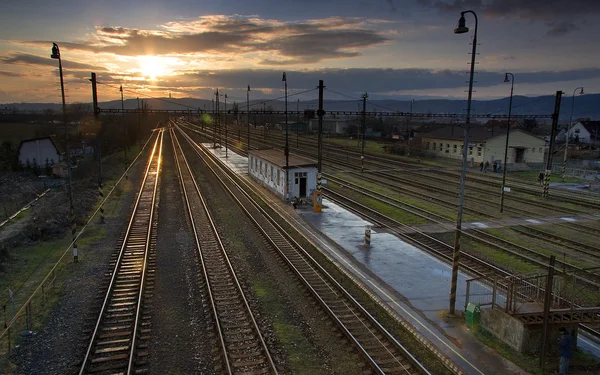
148 96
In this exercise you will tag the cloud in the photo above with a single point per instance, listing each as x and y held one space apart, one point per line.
357 81
28 59
552 12
4 73
308 41
560 28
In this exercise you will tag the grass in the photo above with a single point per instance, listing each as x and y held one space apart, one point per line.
302 360
527 362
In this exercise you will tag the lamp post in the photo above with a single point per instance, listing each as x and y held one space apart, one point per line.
363 131
461 29
226 126
564 166
286 150
512 86
408 128
56 55
297 121
248 117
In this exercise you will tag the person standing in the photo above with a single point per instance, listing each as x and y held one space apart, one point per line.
565 345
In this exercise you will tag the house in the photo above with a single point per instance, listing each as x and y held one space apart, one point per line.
293 126
485 146
39 150
268 167
330 125
585 132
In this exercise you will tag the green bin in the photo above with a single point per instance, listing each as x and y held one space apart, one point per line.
473 314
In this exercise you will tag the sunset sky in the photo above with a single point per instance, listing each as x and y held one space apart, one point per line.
389 48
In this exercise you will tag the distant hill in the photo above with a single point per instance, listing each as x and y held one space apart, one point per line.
585 106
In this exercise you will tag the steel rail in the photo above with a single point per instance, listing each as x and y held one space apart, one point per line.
313 267
115 271
211 224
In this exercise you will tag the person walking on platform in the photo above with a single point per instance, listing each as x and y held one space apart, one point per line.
295 202
541 178
565 345
486 166
481 167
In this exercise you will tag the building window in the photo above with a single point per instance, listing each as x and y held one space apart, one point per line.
540 149
255 164
455 148
428 145
271 173
470 150
533 149
478 151
441 146
434 145
278 176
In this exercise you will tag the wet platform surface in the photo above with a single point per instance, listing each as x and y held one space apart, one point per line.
411 282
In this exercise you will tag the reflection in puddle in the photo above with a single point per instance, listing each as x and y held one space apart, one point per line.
437 271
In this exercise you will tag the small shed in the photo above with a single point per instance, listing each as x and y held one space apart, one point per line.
268 168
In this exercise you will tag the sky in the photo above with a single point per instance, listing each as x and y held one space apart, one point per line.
391 49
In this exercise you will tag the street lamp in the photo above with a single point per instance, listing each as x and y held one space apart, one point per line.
564 166
226 126
248 117
512 85
56 55
408 128
286 150
461 29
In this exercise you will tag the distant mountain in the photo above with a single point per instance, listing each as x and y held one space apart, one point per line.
585 106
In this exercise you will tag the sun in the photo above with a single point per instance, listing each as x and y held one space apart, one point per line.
152 67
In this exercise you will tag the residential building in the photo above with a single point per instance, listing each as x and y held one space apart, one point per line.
585 132
330 125
39 151
484 146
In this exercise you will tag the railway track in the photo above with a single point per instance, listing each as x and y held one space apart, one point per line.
121 322
378 347
242 345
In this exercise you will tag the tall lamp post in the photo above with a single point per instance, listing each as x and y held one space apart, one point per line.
408 128
248 117
226 126
512 86
286 150
461 29
56 55
564 166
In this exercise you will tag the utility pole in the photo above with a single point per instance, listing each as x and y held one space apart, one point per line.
552 136
297 121
226 156
99 144
286 150
320 113
56 55
217 121
124 127
364 129
139 122
408 125
547 302
248 117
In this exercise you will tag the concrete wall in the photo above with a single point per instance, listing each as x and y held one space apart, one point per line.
448 148
273 177
521 337
534 147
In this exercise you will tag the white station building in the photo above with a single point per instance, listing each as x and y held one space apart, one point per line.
268 168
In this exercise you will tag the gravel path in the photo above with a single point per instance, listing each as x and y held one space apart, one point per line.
60 346
180 325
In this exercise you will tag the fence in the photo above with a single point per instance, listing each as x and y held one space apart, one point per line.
518 294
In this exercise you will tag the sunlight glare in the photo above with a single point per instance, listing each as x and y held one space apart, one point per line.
152 67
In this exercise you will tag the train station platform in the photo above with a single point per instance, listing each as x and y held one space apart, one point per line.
408 282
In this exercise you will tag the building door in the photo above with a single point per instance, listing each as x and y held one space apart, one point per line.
300 180
520 155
